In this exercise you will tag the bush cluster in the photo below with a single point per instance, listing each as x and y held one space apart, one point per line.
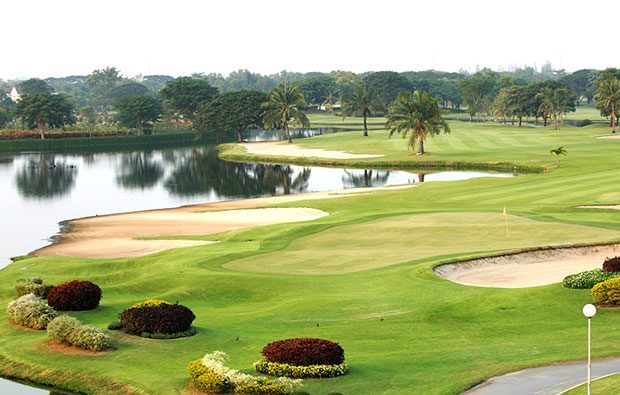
32 286
612 264
31 312
14 134
70 331
261 387
165 318
587 279
212 375
304 352
312 371
607 292
75 296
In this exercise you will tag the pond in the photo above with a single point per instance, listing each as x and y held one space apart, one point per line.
39 190
23 388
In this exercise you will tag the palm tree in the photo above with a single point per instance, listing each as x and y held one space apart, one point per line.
419 114
558 151
363 101
607 96
284 104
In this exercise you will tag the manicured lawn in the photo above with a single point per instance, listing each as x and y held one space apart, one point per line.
606 385
363 276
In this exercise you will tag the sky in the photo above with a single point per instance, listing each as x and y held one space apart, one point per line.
43 38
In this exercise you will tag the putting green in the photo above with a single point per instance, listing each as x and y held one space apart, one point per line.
410 238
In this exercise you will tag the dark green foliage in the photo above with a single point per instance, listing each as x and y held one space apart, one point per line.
388 84
75 296
190 332
286 103
304 352
230 112
137 111
115 325
131 88
317 89
362 101
43 110
612 265
165 318
185 95
34 85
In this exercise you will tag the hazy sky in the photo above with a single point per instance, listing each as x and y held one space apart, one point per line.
179 37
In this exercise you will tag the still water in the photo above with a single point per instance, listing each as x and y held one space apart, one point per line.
39 190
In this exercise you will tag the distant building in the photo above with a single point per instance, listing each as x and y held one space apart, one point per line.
14 95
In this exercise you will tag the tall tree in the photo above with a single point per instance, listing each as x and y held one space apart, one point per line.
34 85
556 102
230 111
137 111
362 102
479 91
43 110
417 114
101 82
318 88
607 95
286 103
185 95
388 85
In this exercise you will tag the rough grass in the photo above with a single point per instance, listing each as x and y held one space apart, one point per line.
403 329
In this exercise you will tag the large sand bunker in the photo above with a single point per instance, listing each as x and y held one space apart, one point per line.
279 148
114 236
527 269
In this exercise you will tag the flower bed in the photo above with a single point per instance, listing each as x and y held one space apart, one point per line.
212 375
75 296
607 292
302 358
588 279
158 320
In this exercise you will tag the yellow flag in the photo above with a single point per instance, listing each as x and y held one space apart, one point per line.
505 213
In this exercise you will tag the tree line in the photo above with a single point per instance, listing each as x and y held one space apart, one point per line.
197 101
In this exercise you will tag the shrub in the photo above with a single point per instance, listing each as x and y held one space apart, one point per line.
304 352
196 369
607 292
31 312
90 338
612 264
70 331
61 328
214 383
190 332
585 122
262 387
312 371
149 303
165 318
115 326
587 279
32 286
75 296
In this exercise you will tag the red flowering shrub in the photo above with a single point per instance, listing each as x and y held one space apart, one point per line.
74 296
612 264
54 134
165 318
304 352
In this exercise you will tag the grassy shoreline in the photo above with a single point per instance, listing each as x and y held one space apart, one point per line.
363 275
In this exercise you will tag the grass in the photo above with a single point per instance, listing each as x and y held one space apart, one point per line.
363 276
584 111
605 385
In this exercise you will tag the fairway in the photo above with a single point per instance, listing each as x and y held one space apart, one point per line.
413 238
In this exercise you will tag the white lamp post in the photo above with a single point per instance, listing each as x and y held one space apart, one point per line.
589 310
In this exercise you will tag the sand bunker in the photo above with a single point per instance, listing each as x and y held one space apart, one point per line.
608 206
279 148
527 269
609 137
113 236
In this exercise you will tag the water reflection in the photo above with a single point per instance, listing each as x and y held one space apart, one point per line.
45 178
259 134
139 170
356 179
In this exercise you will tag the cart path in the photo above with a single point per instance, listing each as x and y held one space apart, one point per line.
546 380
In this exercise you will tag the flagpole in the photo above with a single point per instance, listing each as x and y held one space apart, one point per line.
506 216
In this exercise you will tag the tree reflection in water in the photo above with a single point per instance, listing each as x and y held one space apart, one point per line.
44 178
139 171
201 171
353 179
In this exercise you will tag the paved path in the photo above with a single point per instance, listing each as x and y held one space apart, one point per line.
546 380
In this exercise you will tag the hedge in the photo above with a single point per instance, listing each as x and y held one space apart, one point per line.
312 371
